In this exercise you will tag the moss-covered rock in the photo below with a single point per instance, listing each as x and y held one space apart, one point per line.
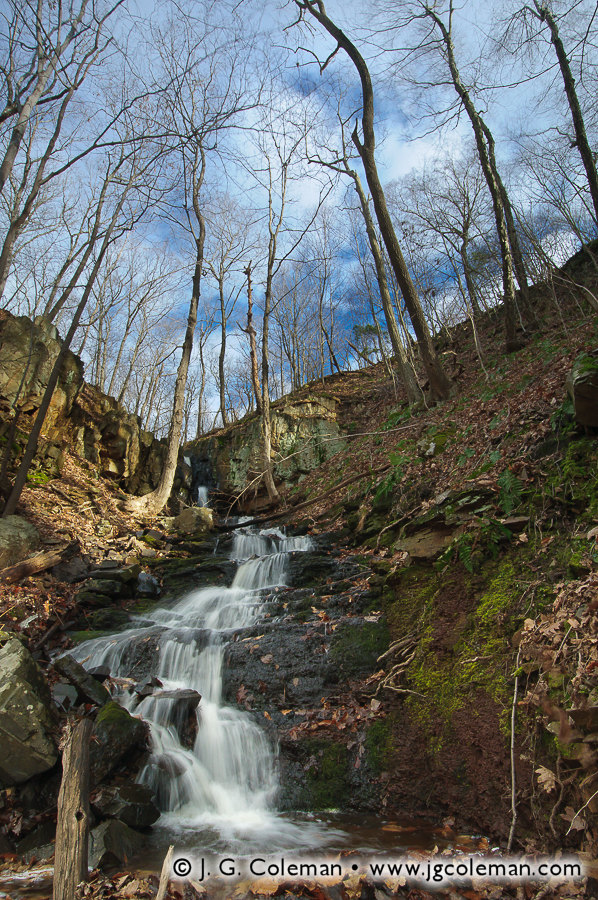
582 385
117 736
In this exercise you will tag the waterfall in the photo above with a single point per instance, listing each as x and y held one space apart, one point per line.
228 779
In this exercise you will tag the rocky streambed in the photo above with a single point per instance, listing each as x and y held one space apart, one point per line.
237 703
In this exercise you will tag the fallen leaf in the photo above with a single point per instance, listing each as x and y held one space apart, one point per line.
546 779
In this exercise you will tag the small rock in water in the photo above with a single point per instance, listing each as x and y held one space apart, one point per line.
111 842
147 585
146 688
100 673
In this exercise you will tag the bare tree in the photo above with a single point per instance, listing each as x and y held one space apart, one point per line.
206 92
230 226
512 258
542 11
49 48
365 143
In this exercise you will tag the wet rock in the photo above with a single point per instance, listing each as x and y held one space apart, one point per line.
355 646
116 735
73 570
17 539
182 712
65 696
310 569
109 618
88 687
292 674
133 804
25 716
147 585
113 842
195 520
147 688
39 843
108 587
582 385
100 673
126 574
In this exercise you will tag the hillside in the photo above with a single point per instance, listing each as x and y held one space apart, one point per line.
452 594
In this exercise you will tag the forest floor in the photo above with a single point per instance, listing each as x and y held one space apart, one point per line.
486 437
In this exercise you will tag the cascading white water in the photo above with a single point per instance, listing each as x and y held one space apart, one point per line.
228 780
202 495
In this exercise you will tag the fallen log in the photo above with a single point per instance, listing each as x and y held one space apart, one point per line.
270 517
46 559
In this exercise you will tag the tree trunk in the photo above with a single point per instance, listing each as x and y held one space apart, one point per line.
581 137
152 503
412 388
486 155
440 384
265 411
221 356
72 831
250 330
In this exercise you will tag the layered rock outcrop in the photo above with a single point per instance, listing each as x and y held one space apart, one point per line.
305 433
80 417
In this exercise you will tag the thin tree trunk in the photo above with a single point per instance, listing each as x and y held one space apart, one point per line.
440 384
152 503
412 388
221 355
250 330
581 137
486 155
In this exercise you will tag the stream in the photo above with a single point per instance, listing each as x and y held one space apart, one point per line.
219 795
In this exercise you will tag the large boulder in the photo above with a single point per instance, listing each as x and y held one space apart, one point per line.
120 450
117 735
25 718
17 539
582 385
196 520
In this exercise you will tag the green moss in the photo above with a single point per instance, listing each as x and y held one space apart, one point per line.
355 648
573 479
447 681
328 774
38 477
77 637
112 714
378 745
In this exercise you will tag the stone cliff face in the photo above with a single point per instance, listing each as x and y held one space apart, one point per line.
80 418
305 433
